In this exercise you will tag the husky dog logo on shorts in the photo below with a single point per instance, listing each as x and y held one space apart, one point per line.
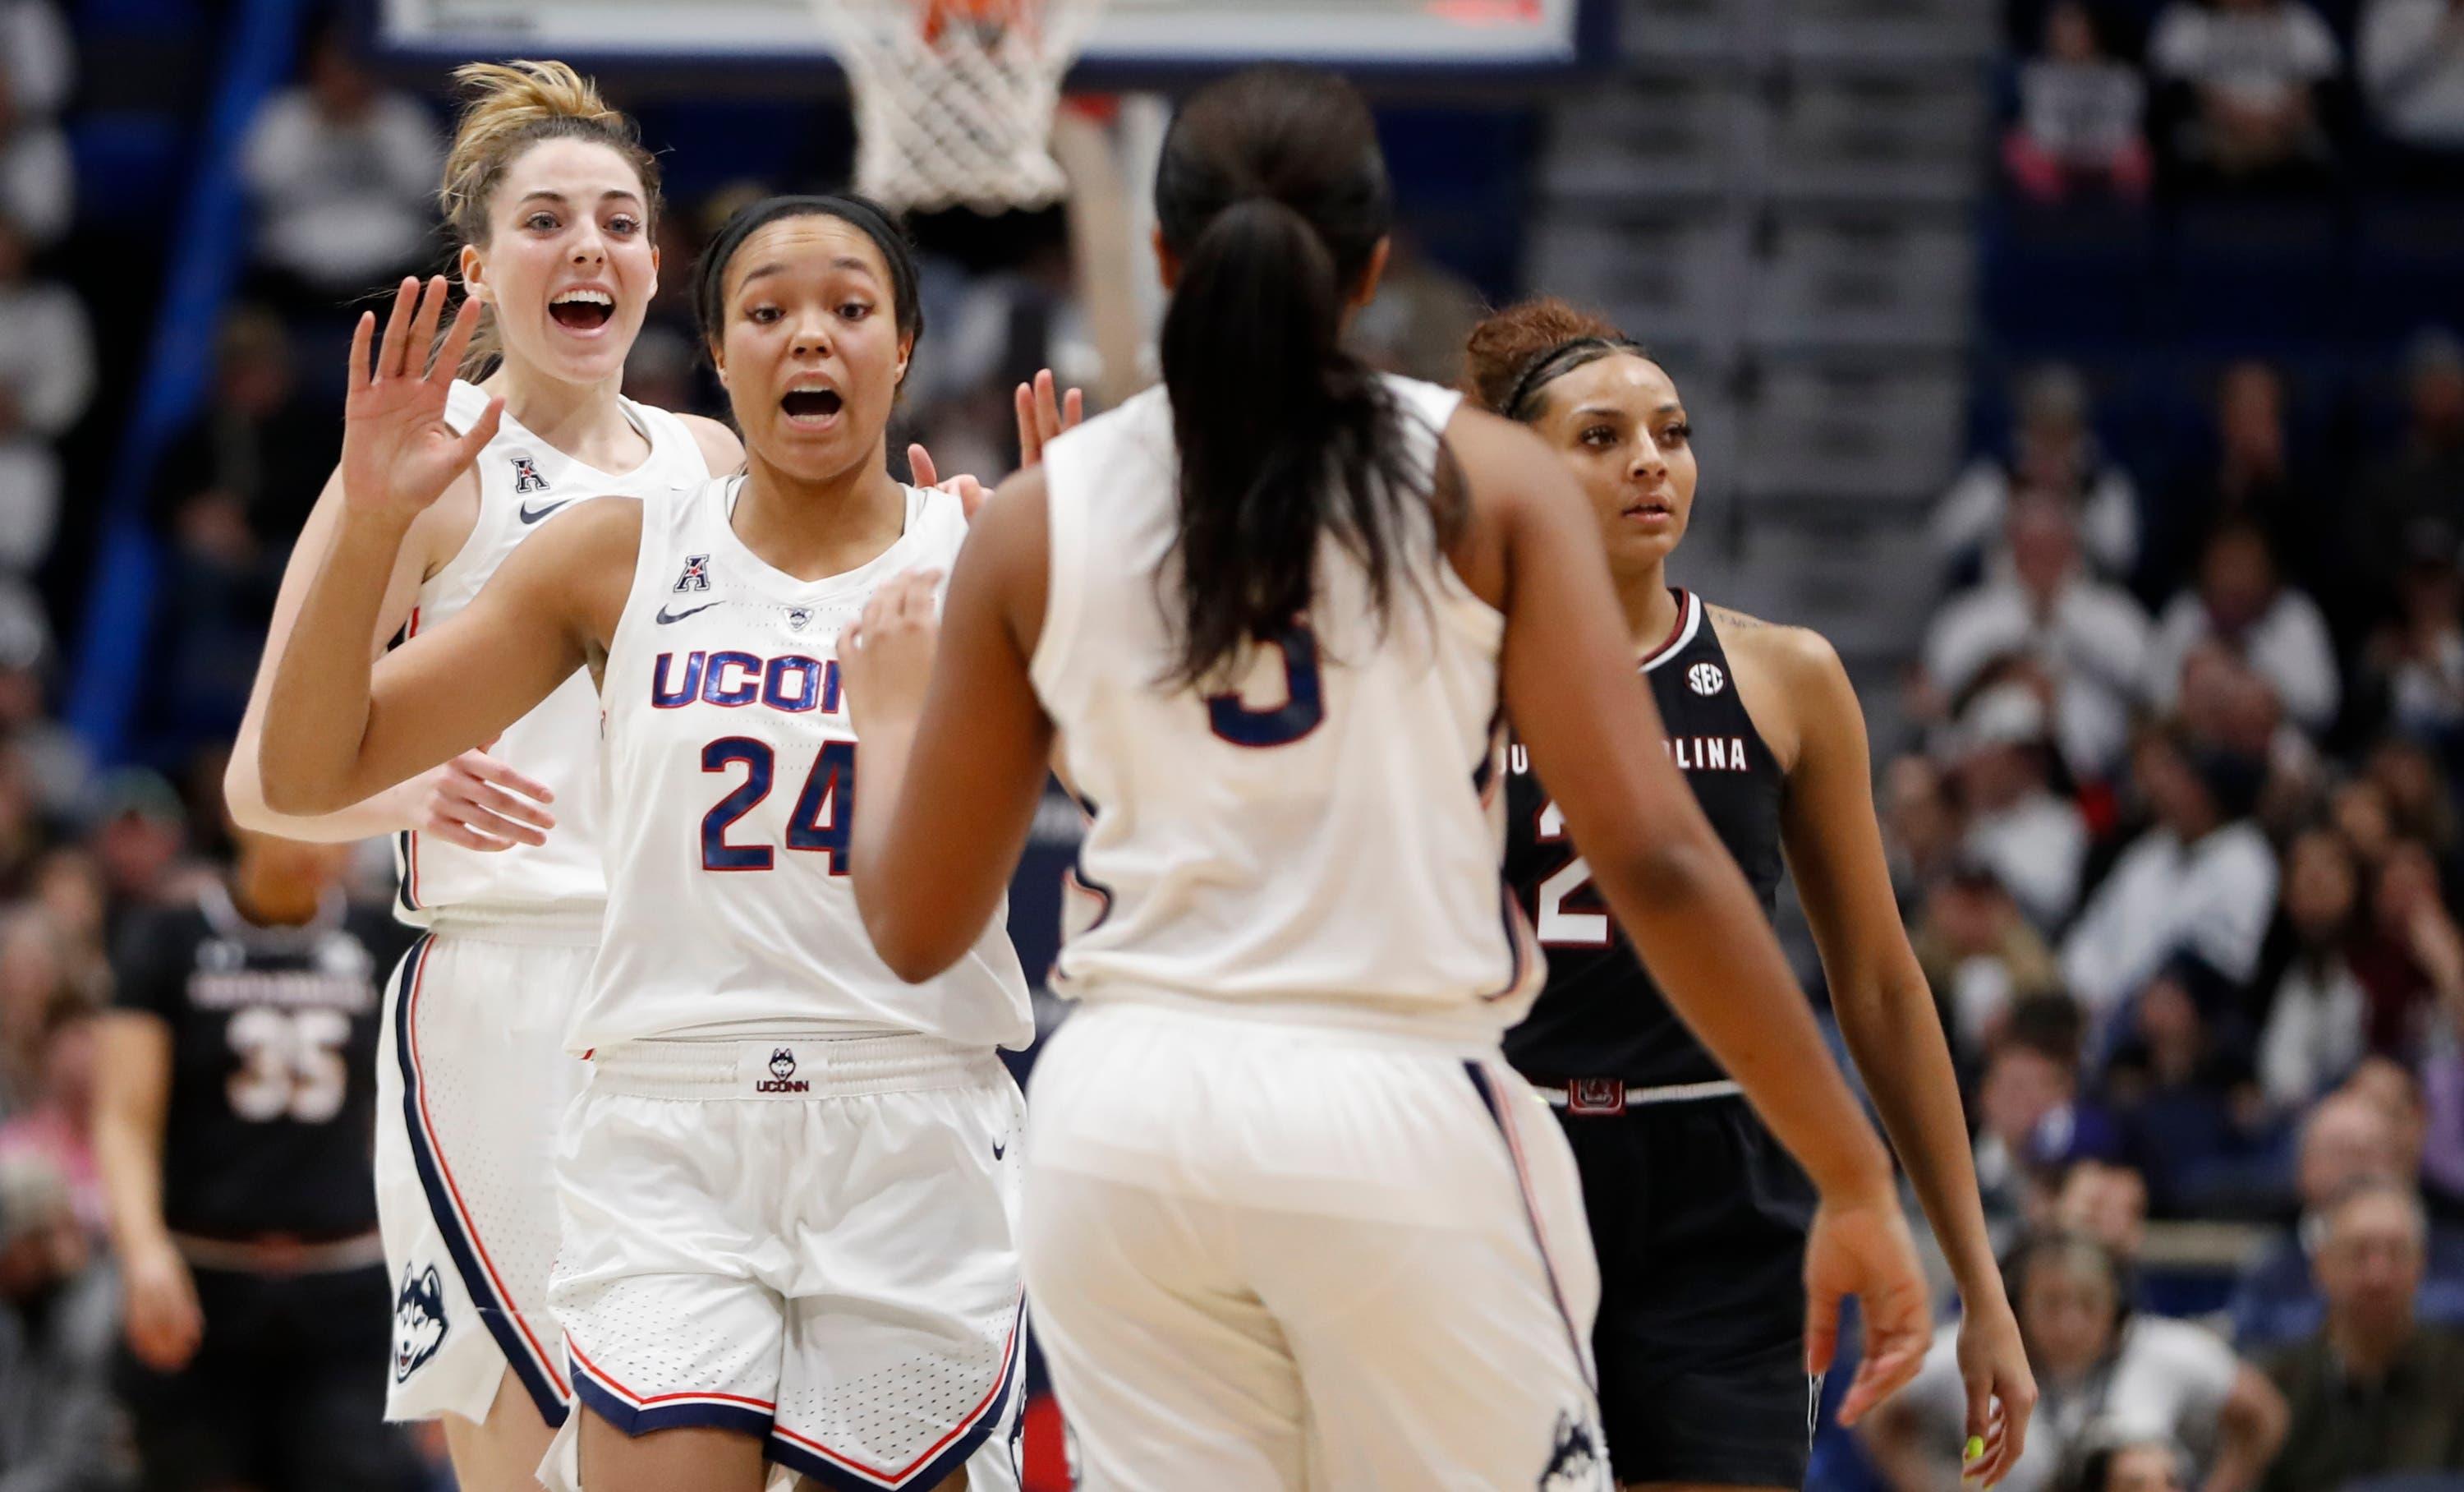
1575 1463
418 1321
783 1074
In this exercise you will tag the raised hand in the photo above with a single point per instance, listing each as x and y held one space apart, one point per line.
886 658
970 491
398 452
1863 1249
1043 413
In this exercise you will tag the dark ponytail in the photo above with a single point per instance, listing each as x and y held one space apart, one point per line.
1273 194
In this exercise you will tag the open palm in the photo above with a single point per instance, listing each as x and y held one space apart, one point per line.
398 452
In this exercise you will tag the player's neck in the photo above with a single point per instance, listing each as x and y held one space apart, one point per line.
272 903
584 421
814 528
1650 612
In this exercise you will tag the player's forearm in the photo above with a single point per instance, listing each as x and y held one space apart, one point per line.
317 712
386 813
1894 1033
1705 941
885 749
131 1165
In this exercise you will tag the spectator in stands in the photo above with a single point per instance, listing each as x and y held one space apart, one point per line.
46 382
2192 894
2107 1202
2248 473
2346 1142
2416 663
1981 957
2090 638
52 760
2030 1118
1920 829
2413 503
2105 1373
2410 56
37 176
2415 955
139 832
2053 450
342 171
2082 115
56 1121
2249 74
2180 1082
2316 1012
2374 1391
59 1423
2148 1466
2241 603
255 446
2035 841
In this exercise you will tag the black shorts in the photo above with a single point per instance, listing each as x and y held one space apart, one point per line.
1699 1218
286 1394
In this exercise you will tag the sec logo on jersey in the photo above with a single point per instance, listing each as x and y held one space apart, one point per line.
1706 678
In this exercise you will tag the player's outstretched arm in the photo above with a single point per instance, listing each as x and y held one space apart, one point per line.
474 800
336 730
1578 702
954 740
1887 1013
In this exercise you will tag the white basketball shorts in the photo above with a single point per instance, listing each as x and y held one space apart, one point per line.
473 1084
1268 1256
808 1241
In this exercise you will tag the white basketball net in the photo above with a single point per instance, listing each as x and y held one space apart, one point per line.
954 98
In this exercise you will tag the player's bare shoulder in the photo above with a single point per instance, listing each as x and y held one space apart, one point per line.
1791 678
582 559
722 450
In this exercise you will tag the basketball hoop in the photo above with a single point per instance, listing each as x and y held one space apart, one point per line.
954 98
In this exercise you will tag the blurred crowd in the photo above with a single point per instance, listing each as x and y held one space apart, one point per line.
2179 833
2123 95
2178 844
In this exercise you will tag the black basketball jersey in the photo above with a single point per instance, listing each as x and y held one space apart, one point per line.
270 1126
1601 1016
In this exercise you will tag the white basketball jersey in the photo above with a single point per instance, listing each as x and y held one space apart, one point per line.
523 479
731 768
1329 835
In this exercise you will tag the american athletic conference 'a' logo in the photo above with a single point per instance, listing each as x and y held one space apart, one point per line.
418 1321
1575 1463
526 476
695 576
783 1077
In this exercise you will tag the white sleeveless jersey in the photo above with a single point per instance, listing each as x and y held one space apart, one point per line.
1329 835
523 479
731 766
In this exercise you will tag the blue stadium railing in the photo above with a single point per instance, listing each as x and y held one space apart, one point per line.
209 244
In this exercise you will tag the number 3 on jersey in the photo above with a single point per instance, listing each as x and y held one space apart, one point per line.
824 813
1304 697
1558 928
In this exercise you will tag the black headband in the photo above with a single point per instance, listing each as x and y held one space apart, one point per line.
1562 359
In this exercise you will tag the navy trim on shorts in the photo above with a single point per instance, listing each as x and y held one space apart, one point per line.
612 1403
841 1477
1494 1102
495 1312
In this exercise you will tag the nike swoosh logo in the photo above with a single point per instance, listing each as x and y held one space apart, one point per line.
666 617
1000 1147
532 515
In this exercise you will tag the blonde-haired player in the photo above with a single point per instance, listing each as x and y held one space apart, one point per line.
553 199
